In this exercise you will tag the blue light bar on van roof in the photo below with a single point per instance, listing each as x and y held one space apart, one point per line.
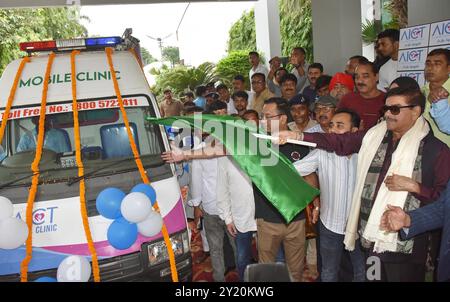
69 44
99 42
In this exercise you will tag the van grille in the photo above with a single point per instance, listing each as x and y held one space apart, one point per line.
91 208
111 269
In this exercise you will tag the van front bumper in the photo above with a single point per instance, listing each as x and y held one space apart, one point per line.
126 268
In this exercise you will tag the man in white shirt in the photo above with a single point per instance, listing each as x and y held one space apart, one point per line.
388 41
224 96
204 200
337 181
257 67
298 60
237 206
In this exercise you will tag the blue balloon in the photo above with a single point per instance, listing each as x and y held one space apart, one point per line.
147 190
122 234
45 279
108 203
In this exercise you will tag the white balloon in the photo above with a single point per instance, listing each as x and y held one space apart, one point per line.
74 269
135 207
151 225
6 208
13 233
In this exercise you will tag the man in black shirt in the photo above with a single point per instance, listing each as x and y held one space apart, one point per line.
272 227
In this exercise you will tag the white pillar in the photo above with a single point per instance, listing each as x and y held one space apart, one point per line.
369 12
267 21
336 32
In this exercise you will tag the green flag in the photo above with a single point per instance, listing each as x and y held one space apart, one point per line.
271 171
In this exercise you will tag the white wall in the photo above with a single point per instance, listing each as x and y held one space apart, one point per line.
429 11
336 32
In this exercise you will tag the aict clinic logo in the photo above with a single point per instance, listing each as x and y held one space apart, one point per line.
412 55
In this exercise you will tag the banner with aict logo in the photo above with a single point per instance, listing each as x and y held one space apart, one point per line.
415 44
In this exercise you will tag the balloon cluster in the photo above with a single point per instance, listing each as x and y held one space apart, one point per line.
132 214
13 231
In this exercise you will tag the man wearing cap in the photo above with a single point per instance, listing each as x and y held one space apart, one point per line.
169 106
324 110
299 107
262 93
400 163
275 64
340 85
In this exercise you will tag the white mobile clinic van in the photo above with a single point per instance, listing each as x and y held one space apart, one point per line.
107 157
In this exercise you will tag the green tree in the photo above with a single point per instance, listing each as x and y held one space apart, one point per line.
21 25
243 33
147 57
171 54
181 78
236 62
295 29
296 26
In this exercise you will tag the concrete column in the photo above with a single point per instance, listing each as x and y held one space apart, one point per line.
420 12
336 32
267 21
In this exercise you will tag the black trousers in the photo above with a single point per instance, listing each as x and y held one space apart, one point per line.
389 271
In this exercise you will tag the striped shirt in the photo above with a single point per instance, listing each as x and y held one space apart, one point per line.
315 129
337 176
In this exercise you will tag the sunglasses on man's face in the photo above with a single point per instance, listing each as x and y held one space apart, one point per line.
395 109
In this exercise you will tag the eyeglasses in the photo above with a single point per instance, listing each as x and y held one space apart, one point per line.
270 117
395 110
324 109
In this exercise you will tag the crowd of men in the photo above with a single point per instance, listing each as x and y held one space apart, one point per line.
382 164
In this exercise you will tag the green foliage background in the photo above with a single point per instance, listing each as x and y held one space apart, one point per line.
295 29
22 25
236 62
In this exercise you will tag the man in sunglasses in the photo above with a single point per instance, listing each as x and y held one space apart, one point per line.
400 163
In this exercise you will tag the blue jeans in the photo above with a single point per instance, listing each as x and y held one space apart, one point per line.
280 255
244 251
331 248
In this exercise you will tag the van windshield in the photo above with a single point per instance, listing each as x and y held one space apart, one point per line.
105 145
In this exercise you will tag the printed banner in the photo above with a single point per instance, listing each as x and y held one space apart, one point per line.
17 113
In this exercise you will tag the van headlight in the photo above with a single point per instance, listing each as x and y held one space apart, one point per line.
157 252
